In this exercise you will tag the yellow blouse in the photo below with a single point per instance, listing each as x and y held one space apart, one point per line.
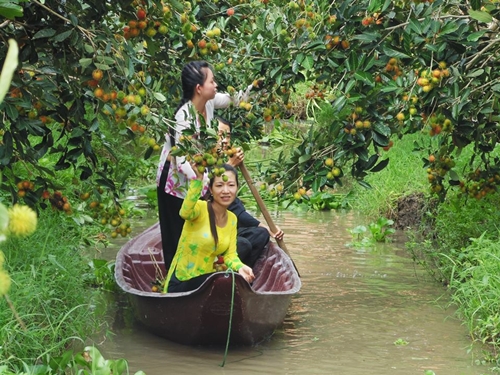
196 251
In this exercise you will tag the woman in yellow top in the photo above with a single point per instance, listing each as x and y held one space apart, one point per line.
209 231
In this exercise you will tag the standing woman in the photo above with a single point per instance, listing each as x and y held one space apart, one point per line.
174 173
209 232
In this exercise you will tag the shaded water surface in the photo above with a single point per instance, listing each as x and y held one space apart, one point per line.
360 311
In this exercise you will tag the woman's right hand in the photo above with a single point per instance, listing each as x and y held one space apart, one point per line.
247 273
198 174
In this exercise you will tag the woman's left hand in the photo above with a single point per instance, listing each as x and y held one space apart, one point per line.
237 158
279 234
247 273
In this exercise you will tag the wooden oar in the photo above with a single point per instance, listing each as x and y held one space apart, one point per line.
263 208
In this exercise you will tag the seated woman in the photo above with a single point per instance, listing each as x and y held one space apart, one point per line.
209 232
252 236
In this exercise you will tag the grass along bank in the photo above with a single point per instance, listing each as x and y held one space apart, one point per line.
50 293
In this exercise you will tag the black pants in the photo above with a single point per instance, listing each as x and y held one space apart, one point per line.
170 222
250 244
177 286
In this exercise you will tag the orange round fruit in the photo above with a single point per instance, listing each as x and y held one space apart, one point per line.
97 74
141 14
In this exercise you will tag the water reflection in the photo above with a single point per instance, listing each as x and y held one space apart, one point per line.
354 306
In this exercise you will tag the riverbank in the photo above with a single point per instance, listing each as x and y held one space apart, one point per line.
457 240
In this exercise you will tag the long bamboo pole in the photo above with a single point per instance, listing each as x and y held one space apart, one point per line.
263 208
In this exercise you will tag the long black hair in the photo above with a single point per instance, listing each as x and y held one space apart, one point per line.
193 73
211 213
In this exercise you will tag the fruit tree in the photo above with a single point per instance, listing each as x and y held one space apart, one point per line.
97 77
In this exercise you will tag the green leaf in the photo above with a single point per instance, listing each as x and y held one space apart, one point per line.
45 33
177 5
88 48
374 6
365 77
304 158
350 85
10 10
390 88
481 16
62 36
8 68
475 4
73 19
102 66
105 60
454 176
448 28
353 62
4 221
308 62
84 63
382 129
159 96
475 73
474 37
380 166
393 53
365 184
415 26
367 37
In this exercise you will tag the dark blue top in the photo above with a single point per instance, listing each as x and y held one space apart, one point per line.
244 218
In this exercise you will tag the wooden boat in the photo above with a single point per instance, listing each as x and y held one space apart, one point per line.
202 316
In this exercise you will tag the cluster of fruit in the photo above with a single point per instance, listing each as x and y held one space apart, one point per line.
356 123
207 157
145 26
208 43
110 216
299 194
480 183
431 78
23 187
58 201
219 265
370 20
334 171
123 107
438 168
315 92
392 67
438 123
276 191
413 100
333 41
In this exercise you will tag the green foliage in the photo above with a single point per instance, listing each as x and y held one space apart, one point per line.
91 79
48 271
401 342
320 201
88 362
403 175
475 283
380 232
8 68
102 274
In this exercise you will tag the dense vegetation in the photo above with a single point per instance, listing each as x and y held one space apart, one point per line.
97 83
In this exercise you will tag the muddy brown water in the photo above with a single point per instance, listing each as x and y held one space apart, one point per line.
360 311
